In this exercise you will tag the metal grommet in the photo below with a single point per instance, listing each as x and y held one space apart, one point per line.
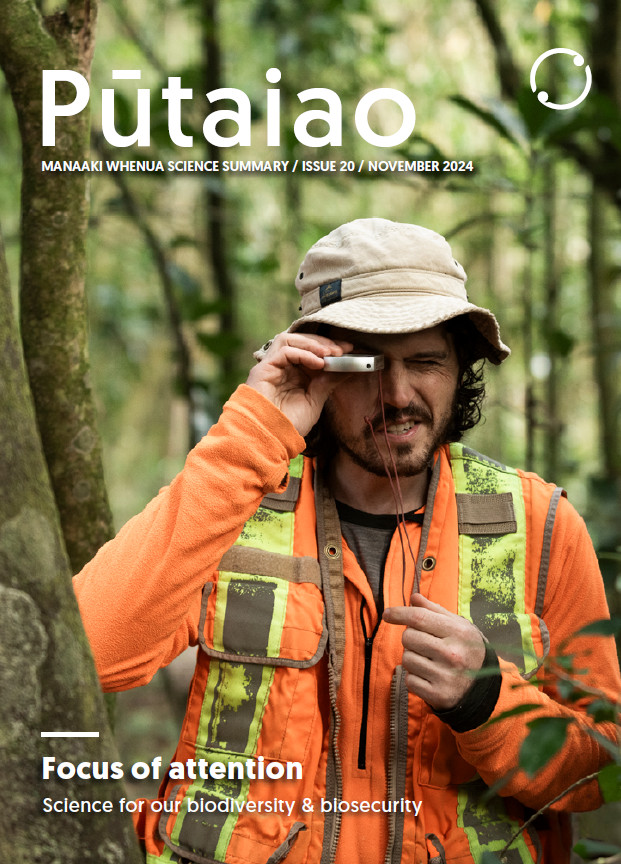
429 562
331 550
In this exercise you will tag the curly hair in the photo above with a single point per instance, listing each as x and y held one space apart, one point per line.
472 349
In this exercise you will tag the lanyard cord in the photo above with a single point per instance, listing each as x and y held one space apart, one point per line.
395 486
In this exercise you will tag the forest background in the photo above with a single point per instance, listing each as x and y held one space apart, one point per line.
181 277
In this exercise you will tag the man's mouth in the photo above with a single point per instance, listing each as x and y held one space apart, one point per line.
401 428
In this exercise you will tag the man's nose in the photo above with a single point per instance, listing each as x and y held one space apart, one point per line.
397 387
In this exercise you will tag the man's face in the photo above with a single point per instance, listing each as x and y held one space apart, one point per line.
419 384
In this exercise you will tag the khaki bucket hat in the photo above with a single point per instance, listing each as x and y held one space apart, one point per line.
378 276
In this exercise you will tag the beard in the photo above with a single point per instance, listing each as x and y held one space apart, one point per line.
410 458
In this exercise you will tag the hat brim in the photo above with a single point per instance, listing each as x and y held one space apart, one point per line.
397 313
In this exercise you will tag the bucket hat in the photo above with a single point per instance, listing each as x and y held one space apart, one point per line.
378 276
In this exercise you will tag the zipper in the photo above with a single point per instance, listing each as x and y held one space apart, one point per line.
362 747
397 762
366 684
335 821
330 562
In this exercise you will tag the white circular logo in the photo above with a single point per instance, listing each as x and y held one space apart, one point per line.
543 95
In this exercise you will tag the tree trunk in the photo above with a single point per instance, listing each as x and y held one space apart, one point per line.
217 207
53 260
47 678
552 423
605 339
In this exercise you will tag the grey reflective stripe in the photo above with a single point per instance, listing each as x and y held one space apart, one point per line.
194 829
488 826
492 567
397 763
329 538
249 613
242 622
229 725
424 536
187 854
259 659
283 501
200 832
545 550
490 513
283 850
260 562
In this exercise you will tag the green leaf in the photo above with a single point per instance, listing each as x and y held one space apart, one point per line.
602 711
609 779
570 691
560 342
490 858
258 264
603 627
513 712
588 849
545 739
221 344
182 240
497 117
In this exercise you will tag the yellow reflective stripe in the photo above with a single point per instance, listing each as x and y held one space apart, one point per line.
272 529
296 466
236 693
492 567
487 825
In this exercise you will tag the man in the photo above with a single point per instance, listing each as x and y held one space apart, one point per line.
362 680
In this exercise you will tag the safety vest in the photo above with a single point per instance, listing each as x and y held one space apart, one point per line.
272 637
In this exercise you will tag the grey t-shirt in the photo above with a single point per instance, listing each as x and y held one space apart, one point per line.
368 535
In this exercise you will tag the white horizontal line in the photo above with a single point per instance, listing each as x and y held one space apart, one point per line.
70 734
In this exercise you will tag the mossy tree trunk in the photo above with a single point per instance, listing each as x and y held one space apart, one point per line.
53 257
47 678
50 467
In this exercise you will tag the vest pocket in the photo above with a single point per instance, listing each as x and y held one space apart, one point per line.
264 609
213 821
262 632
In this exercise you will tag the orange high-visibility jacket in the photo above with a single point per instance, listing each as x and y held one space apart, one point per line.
382 778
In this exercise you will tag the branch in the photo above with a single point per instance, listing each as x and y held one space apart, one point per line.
135 32
546 807
184 362
508 72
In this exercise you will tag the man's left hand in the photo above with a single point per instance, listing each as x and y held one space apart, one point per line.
441 650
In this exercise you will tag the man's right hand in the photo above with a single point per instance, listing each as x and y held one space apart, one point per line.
290 375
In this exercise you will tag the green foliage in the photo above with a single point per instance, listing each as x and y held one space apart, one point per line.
221 344
544 740
560 342
602 711
515 712
588 849
609 779
605 627
503 121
